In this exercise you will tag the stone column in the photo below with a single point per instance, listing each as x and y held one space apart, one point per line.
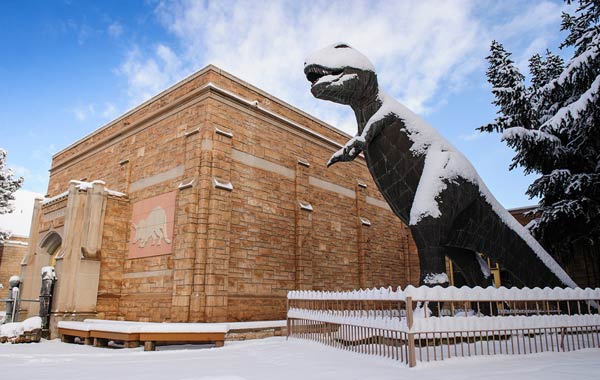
303 249
218 229
93 221
204 189
79 267
362 234
186 220
67 264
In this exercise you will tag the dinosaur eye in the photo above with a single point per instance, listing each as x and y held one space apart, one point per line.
341 46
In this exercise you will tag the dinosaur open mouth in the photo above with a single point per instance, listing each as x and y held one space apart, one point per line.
315 72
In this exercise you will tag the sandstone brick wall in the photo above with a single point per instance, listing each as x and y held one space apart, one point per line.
110 138
12 252
235 253
113 253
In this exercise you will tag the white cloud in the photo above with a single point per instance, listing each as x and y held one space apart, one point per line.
148 75
83 112
416 46
82 31
529 27
529 17
34 178
115 29
34 167
109 110
20 171
471 136
44 152
423 50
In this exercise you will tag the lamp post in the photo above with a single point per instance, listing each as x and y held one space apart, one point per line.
12 305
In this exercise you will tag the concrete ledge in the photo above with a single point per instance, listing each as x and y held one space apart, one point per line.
261 163
331 187
170 174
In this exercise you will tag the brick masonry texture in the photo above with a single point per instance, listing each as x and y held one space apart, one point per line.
235 254
12 252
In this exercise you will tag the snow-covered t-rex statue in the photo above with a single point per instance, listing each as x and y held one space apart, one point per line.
427 182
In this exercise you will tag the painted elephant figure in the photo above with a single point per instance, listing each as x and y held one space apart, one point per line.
153 227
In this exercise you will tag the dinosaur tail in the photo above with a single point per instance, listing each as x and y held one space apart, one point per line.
496 233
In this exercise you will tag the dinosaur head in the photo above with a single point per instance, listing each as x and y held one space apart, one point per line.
341 74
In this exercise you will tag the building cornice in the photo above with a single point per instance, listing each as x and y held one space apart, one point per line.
135 109
185 98
184 101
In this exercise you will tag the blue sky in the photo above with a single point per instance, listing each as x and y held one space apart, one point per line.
69 67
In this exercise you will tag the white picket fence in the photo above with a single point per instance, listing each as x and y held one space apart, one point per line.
424 323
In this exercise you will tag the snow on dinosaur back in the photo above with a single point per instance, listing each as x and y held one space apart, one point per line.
341 74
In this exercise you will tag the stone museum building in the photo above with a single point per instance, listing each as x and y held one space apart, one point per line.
209 202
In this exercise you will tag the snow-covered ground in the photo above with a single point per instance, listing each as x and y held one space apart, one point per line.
274 359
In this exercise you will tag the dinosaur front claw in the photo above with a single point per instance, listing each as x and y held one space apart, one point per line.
349 152
335 158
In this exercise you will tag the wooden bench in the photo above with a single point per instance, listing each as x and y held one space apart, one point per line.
132 334
68 331
104 335
100 332
151 338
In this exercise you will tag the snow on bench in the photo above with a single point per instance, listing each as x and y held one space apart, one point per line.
99 334
130 332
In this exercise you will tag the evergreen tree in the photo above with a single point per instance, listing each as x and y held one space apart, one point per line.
554 127
8 185
509 89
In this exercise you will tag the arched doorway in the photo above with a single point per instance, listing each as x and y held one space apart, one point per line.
52 245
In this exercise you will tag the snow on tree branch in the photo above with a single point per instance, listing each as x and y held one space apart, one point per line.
8 185
552 125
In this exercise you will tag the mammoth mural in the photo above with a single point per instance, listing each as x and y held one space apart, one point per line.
152 225
153 228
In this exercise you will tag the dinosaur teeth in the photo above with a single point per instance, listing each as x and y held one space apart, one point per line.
314 73
313 77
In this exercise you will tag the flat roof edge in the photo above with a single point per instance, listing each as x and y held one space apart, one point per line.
204 70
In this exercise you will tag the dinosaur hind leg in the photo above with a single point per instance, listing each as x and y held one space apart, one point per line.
432 260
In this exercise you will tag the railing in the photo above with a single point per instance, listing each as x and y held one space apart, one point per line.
13 307
437 323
